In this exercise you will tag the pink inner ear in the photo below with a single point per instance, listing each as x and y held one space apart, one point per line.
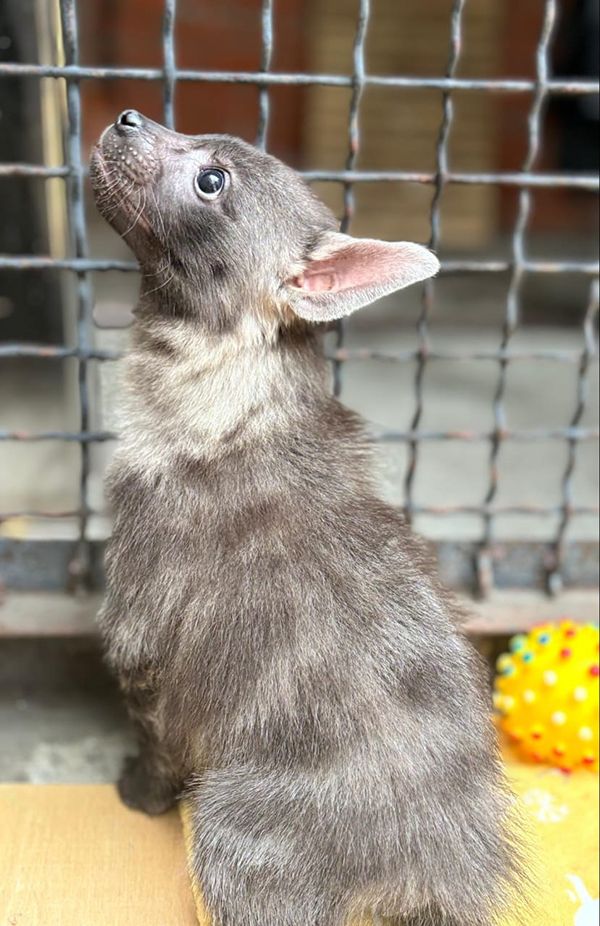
352 267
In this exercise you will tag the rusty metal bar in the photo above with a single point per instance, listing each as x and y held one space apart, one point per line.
498 178
51 352
77 264
33 170
386 436
435 220
37 565
589 351
85 299
588 182
169 67
358 85
529 509
401 82
561 356
42 262
513 300
82 437
264 98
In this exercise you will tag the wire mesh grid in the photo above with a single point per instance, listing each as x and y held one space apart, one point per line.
517 265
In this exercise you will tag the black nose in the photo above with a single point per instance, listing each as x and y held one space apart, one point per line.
129 119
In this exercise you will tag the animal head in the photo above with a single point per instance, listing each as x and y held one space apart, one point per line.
221 229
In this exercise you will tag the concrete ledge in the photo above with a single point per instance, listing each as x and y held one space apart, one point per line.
48 614
56 614
505 613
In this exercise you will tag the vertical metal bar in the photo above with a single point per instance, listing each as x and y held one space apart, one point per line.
68 12
484 570
169 67
358 86
264 99
590 350
434 242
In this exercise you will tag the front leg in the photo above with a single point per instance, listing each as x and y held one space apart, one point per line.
152 780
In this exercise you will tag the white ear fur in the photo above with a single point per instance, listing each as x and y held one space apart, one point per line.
345 274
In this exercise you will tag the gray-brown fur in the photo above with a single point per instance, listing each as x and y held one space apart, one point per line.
289 656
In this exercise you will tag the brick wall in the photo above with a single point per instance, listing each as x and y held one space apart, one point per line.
309 125
211 36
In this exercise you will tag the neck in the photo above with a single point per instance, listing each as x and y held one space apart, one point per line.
203 394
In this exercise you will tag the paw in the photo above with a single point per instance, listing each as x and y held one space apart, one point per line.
140 789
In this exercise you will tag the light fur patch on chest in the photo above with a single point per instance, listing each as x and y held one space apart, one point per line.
200 392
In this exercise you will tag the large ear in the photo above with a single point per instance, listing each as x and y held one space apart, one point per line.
344 274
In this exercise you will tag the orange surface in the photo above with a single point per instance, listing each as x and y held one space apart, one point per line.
73 855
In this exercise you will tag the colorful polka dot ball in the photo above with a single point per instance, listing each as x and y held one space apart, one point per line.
546 694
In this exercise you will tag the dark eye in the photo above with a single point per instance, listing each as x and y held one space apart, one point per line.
210 182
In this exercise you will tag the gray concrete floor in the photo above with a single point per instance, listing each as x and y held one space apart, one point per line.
61 718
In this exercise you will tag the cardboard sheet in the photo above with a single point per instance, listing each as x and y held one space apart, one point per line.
73 855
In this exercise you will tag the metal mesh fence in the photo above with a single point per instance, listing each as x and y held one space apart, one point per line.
548 560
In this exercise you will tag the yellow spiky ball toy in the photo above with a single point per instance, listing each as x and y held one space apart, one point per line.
546 694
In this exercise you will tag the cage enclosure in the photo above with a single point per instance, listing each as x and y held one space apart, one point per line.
472 127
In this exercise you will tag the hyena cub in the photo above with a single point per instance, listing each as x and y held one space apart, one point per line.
289 657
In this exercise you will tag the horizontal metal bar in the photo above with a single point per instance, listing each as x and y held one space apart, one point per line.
540 434
52 352
80 437
272 79
588 268
559 356
77 264
501 510
588 182
33 170
524 509
387 436
36 565
30 515
42 262
503 178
